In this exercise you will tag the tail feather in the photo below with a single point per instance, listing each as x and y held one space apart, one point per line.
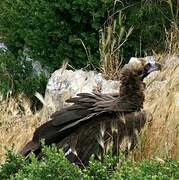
30 146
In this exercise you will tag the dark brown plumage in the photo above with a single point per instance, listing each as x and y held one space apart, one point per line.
94 120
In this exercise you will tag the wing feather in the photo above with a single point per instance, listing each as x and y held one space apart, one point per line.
89 105
84 105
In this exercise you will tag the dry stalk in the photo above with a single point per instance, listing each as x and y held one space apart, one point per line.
160 138
112 39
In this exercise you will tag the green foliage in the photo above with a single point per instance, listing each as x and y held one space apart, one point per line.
58 30
16 76
150 19
101 170
148 169
54 30
11 166
54 165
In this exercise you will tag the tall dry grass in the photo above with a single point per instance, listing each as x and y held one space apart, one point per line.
17 123
160 137
113 36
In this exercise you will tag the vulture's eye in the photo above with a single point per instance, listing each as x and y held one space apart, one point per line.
147 67
150 67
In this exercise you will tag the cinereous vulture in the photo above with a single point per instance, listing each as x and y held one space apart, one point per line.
94 120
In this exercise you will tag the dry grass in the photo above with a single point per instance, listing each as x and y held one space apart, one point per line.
172 39
111 43
160 138
17 123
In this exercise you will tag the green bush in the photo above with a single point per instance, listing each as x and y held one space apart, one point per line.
54 165
54 30
148 169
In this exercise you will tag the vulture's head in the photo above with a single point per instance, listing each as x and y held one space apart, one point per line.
131 79
142 67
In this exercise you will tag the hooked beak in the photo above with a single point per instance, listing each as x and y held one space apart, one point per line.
151 66
154 67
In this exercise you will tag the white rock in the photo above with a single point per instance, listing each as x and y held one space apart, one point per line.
2 46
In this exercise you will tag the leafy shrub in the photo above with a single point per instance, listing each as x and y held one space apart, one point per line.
57 30
148 169
11 166
54 30
54 165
